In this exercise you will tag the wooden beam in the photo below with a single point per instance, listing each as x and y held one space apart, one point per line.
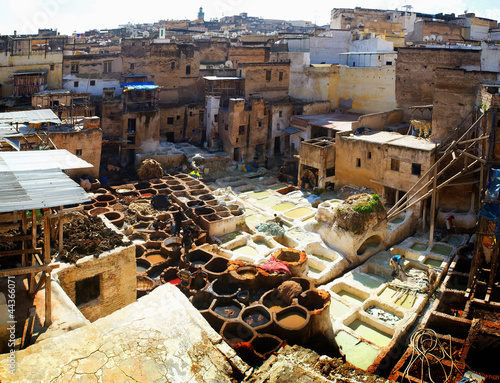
46 235
28 328
16 238
433 208
8 253
48 299
26 270
39 285
471 156
31 278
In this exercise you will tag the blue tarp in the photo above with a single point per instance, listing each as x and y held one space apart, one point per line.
491 211
139 85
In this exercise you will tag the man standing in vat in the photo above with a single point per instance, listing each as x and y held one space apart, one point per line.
187 243
397 262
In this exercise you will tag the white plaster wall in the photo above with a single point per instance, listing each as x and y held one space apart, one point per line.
211 109
479 32
327 48
490 57
371 45
85 87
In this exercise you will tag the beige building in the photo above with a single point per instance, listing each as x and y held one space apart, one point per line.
29 66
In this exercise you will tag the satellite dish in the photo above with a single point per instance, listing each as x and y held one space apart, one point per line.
221 66
439 39
433 38
229 64
145 34
426 38
348 26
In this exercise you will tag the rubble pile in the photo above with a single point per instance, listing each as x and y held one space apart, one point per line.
150 169
271 228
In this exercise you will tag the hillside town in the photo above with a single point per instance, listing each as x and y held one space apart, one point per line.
252 200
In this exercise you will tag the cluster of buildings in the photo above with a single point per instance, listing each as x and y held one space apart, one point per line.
237 89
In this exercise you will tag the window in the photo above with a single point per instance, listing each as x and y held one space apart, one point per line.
52 66
78 152
188 69
268 75
170 120
226 127
281 76
278 126
143 43
388 63
395 164
216 117
75 84
281 113
131 125
75 68
107 66
133 44
260 124
241 129
416 169
178 118
92 82
190 114
172 65
236 139
132 65
54 103
369 156
87 290
358 162
202 118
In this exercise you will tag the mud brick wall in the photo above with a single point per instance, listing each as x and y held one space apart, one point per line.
117 281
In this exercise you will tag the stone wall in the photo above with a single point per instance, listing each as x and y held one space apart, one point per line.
117 281
416 75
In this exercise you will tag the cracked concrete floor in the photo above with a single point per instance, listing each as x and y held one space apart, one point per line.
160 338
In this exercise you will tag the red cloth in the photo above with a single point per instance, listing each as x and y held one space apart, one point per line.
272 265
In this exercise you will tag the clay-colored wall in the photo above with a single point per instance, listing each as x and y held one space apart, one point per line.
117 272
111 119
156 61
376 171
233 117
257 135
147 129
177 112
378 121
36 61
447 31
248 55
194 127
454 97
256 84
416 72
89 141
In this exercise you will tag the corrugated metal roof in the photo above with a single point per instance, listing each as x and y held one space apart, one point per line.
37 189
41 160
215 78
29 117
139 85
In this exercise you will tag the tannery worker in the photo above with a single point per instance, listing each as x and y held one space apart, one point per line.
397 262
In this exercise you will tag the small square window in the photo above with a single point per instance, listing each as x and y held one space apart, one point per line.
358 162
369 156
78 152
260 124
188 69
172 65
281 113
92 82
143 43
87 290
278 126
75 68
241 129
236 139
75 84
170 120
107 66
132 65
395 164
52 66
178 118
216 117
416 169
190 114
226 127
281 76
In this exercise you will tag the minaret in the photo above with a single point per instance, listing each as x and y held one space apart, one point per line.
201 14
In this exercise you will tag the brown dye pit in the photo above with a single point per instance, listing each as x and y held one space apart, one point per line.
255 319
273 309
292 320
228 311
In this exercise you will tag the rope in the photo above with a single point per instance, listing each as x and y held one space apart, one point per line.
423 342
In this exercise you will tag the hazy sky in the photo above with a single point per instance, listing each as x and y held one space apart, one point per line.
26 16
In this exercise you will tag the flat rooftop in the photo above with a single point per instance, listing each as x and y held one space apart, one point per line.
335 121
396 139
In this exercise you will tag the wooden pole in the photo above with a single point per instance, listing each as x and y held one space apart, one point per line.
424 214
24 226
31 283
47 260
433 208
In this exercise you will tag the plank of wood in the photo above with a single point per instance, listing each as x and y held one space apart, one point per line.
26 270
8 253
16 238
